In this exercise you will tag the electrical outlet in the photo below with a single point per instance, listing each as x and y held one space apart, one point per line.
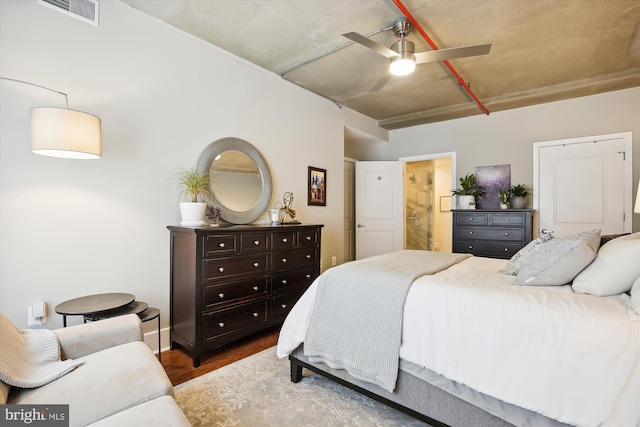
334 261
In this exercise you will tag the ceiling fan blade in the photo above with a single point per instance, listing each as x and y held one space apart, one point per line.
382 50
452 53
383 81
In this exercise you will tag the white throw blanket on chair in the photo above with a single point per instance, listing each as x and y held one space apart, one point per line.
30 358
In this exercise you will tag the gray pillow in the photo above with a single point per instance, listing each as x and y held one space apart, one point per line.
560 261
523 256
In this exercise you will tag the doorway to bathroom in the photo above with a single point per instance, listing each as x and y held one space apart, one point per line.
428 181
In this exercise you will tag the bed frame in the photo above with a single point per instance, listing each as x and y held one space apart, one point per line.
427 402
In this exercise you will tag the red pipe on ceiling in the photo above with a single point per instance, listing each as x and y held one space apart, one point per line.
461 81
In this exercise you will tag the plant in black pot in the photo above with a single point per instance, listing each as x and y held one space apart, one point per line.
519 195
468 192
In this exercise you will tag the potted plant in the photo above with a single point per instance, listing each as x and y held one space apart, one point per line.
468 192
504 198
519 195
194 189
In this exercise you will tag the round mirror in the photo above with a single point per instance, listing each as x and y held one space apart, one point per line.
240 179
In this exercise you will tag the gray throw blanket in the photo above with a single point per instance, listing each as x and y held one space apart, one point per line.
356 323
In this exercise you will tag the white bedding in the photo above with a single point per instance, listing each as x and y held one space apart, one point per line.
571 357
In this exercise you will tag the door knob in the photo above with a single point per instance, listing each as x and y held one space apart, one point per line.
360 226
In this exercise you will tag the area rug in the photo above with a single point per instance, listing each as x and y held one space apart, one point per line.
257 391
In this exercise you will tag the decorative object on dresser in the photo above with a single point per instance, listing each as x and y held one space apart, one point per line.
232 281
288 213
492 233
239 178
492 179
519 195
194 186
504 198
468 192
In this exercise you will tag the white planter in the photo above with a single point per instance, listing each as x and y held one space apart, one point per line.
193 213
466 202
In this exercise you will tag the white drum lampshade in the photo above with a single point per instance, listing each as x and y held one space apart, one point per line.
60 132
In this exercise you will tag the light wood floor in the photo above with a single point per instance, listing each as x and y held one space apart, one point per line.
179 366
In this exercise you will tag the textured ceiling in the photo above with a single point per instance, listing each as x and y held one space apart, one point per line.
542 50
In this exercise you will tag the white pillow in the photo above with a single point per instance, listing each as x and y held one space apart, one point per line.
560 260
635 296
614 270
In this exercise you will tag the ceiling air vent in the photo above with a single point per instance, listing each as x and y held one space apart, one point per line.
85 10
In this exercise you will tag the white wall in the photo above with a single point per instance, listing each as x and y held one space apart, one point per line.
71 228
507 137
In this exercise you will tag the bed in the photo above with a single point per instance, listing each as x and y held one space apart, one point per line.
548 338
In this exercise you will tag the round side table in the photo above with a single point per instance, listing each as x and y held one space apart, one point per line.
91 304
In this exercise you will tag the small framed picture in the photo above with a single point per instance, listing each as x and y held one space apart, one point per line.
317 187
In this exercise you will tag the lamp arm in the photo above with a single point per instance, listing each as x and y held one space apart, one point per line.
66 97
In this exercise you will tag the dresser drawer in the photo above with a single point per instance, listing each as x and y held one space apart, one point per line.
491 250
219 245
508 219
472 218
283 282
216 295
283 304
284 260
491 233
254 242
284 239
220 268
308 238
221 322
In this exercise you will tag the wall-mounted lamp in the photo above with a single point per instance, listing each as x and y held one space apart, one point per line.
61 132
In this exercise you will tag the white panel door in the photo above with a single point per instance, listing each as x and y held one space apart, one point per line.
582 186
379 208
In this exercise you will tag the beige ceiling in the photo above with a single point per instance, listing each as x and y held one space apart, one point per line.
542 50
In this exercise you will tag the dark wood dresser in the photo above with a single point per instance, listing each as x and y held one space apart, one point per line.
231 281
498 233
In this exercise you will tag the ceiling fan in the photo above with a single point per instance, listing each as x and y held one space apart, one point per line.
403 57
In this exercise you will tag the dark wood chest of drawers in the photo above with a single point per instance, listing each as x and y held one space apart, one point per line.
491 233
230 282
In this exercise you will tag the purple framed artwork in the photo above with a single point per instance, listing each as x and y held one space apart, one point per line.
492 179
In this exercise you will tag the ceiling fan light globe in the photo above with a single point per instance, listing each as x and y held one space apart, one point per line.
402 66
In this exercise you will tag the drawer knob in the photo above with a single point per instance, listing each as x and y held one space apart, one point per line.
255 288
506 233
221 295
309 238
506 249
255 264
506 219
470 246
255 314
284 260
221 244
470 218
308 276
284 240
221 324
256 242
471 232
308 256
220 269
284 305
284 281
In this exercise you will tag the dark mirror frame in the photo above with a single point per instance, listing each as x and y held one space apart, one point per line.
204 166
